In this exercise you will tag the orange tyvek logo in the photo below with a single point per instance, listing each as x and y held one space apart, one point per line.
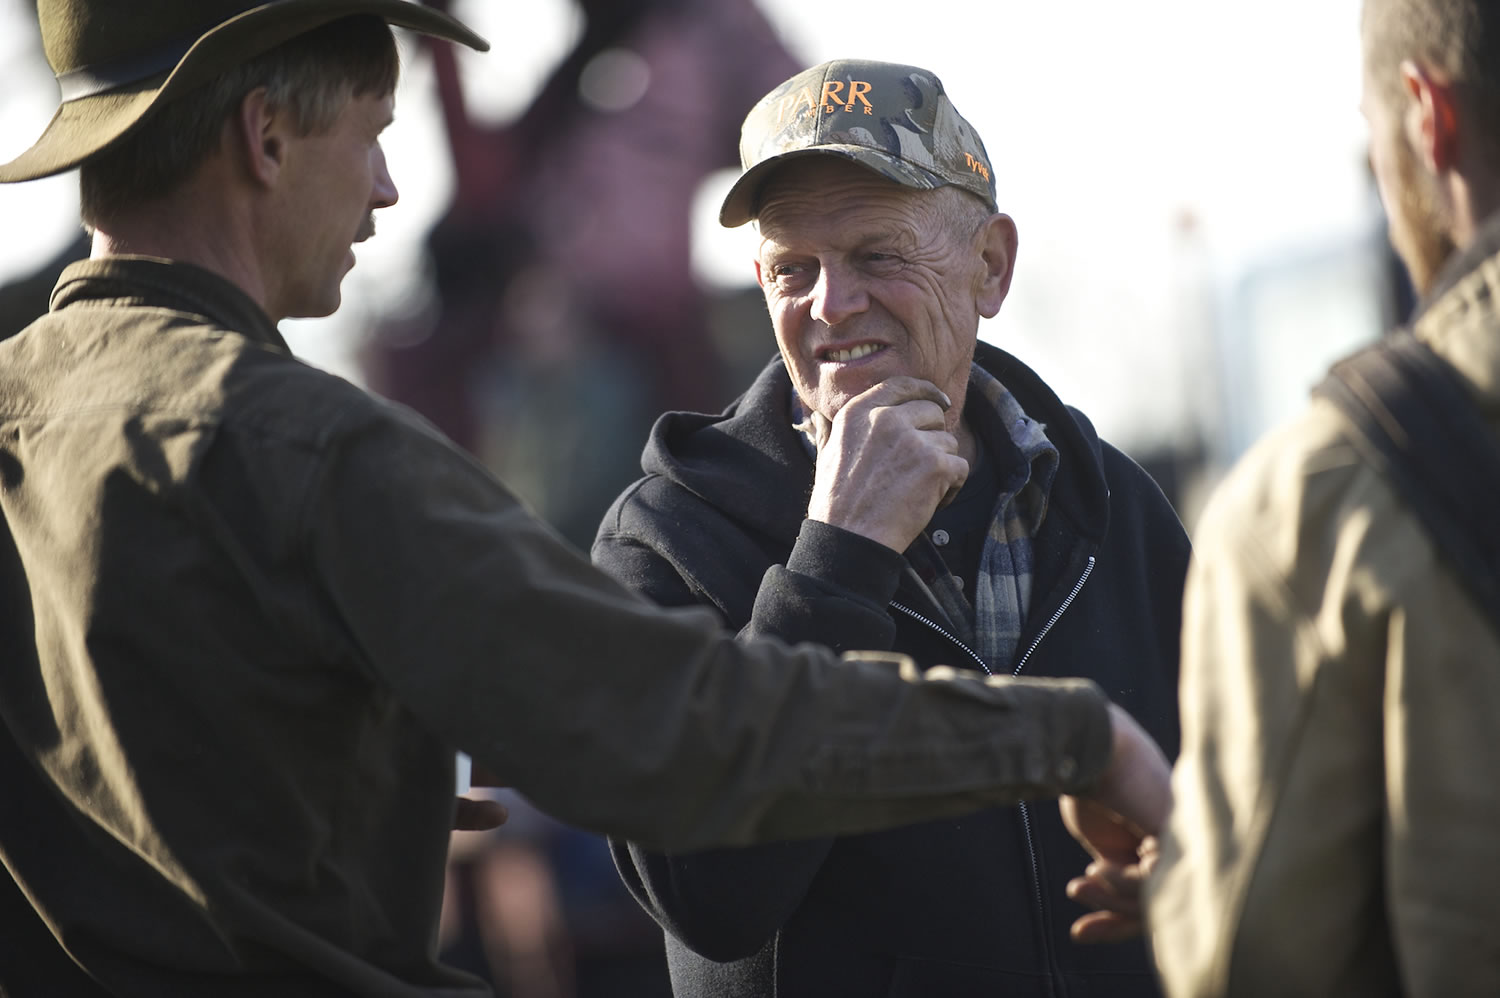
801 101
977 165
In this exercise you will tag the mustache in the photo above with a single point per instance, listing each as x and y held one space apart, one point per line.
367 230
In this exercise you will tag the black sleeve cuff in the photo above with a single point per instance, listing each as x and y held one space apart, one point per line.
833 591
847 563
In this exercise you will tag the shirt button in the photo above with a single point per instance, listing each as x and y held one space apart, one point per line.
940 537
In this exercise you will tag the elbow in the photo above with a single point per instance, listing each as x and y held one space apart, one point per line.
722 937
726 904
719 921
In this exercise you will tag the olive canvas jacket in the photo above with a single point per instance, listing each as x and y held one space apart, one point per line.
1338 793
958 907
248 612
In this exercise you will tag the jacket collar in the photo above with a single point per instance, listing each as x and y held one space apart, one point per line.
1458 317
168 284
1462 264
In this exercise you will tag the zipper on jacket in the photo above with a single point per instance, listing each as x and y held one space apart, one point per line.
944 632
1041 908
1057 614
1036 869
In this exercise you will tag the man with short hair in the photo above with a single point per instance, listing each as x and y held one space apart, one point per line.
248 613
808 511
1336 797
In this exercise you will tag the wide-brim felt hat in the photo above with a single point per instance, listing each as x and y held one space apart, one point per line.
116 62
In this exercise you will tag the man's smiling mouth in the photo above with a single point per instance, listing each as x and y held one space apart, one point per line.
853 353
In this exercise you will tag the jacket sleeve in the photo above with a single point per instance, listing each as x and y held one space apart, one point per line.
833 591
620 717
1146 532
725 904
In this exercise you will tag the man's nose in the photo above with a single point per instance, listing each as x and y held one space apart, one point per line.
384 193
838 294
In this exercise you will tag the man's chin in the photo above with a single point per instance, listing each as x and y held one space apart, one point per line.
840 386
316 310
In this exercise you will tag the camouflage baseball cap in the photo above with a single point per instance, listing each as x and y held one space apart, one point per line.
893 119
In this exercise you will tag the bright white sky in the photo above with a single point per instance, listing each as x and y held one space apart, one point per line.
1107 122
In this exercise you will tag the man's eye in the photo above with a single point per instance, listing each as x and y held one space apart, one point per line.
882 264
791 276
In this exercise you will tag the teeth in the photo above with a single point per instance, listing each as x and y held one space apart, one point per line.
854 353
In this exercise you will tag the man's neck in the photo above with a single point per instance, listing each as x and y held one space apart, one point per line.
206 232
1474 198
968 442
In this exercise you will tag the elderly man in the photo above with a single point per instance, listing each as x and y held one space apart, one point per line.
804 512
248 613
1337 798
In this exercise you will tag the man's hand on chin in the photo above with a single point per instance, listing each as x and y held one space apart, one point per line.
886 462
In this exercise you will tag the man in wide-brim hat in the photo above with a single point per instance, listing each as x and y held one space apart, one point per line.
248 612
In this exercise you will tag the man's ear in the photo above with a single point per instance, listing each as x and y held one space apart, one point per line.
259 139
760 277
997 247
1431 119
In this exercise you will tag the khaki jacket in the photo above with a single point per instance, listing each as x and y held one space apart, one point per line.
248 612
1338 791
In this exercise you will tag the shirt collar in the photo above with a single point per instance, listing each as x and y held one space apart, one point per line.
1000 421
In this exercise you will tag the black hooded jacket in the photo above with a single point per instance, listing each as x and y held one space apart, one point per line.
969 906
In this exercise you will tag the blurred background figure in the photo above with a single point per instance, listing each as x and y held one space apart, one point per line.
567 315
537 908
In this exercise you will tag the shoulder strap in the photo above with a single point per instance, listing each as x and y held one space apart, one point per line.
1415 420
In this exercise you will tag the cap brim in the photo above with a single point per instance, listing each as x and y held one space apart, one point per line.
740 204
83 127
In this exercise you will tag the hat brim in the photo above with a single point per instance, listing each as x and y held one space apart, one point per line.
85 126
740 204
